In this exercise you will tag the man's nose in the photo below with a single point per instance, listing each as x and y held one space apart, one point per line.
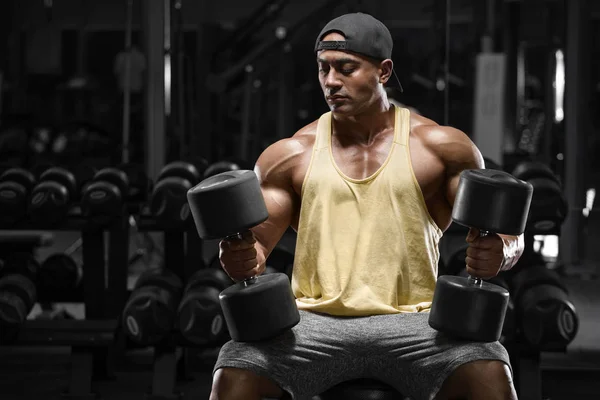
332 80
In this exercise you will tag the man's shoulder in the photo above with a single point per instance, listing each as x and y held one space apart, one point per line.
285 154
302 139
446 142
434 135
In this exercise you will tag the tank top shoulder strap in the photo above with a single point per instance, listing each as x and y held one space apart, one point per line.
323 134
402 126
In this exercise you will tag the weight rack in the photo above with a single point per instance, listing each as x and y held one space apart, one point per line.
95 341
182 256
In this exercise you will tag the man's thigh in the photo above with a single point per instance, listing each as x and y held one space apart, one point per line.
317 353
416 359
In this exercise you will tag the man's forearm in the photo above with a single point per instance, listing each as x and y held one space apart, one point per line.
513 249
261 254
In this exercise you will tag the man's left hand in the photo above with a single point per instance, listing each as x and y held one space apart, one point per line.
488 255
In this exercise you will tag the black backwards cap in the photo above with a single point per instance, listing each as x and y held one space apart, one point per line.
364 35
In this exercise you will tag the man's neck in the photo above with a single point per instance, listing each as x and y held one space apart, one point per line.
366 126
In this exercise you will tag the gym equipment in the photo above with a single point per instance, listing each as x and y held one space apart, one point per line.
17 288
527 170
150 311
200 163
82 140
52 196
84 174
508 327
280 260
492 201
169 202
223 206
548 205
139 182
546 317
15 186
104 197
225 166
200 316
59 273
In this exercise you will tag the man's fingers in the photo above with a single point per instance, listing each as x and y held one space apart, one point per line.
486 242
480 273
249 236
477 253
239 244
249 254
476 264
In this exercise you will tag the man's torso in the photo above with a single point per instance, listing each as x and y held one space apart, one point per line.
361 161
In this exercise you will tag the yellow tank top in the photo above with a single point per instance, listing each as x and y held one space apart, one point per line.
364 246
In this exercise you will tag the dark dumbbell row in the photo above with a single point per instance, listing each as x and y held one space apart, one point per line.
161 304
544 314
103 194
23 279
548 205
158 302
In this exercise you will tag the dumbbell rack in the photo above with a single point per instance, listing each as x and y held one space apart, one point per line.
94 341
182 256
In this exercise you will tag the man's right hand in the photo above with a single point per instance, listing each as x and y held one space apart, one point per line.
238 257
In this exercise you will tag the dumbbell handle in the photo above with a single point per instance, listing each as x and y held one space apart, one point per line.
252 279
475 281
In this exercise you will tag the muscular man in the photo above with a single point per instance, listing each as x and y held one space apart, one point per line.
369 188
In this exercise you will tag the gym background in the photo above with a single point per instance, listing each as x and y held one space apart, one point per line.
110 110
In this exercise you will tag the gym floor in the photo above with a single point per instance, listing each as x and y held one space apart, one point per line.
28 373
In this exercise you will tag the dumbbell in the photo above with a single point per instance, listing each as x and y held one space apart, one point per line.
269 269
59 273
51 197
17 288
149 313
169 202
199 162
84 174
280 260
200 317
508 327
225 166
548 205
15 187
469 308
140 184
546 317
103 198
224 206
527 170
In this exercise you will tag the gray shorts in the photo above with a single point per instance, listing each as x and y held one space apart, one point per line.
322 351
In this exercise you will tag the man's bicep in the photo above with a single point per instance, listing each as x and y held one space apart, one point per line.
452 188
459 155
281 204
274 170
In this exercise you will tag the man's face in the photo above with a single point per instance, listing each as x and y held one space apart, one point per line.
349 81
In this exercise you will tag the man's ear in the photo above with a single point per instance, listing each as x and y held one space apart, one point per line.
385 67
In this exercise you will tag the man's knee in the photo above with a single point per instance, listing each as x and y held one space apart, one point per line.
236 383
482 379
